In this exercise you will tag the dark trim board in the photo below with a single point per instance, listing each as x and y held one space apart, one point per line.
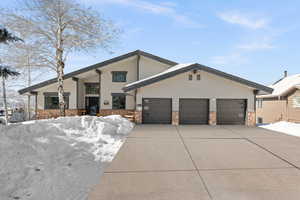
98 65
55 94
198 67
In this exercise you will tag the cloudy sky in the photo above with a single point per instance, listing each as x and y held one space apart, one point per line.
254 39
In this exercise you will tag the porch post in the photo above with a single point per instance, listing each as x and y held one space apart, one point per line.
99 74
36 100
77 90
28 107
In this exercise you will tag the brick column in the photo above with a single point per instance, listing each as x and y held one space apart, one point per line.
138 117
251 119
175 118
212 118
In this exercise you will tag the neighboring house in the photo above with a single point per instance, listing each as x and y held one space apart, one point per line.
153 90
283 103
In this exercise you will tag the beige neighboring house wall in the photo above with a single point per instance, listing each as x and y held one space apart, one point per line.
210 86
293 112
274 110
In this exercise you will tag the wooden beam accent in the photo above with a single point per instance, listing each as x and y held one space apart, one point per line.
33 93
75 78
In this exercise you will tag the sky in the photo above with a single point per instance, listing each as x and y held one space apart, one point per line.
256 39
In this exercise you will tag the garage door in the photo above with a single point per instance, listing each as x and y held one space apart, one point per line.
231 111
157 111
193 111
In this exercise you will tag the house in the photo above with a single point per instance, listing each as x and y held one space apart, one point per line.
283 103
153 90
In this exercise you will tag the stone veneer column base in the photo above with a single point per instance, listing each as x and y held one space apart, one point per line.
175 118
251 119
212 118
54 113
138 117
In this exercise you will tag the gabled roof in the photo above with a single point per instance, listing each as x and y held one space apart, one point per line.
98 65
181 68
283 86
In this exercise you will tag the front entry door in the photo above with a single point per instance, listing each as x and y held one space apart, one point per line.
92 105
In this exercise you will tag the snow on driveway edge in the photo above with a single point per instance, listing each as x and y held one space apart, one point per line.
284 127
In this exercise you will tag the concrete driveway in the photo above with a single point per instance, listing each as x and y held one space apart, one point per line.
165 162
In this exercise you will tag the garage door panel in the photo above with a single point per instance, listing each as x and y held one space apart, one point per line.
157 111
231 111
193 111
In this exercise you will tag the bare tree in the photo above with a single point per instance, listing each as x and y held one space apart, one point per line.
28 58
64 26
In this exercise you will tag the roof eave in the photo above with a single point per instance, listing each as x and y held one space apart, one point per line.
96 66
204 68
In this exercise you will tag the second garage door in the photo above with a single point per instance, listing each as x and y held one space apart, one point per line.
231 111
193 111
157 111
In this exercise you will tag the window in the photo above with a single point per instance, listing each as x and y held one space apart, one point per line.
119 76
198 77
91 88
296 102
190 77
118 101
51 101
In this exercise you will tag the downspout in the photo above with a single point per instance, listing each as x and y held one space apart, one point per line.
138 78
255 92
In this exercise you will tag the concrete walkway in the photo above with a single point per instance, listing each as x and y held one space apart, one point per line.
165 162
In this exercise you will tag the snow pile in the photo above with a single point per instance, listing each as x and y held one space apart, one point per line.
284 127
58 158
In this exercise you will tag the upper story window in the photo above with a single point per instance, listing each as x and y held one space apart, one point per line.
91 88
296 102
52 102
119 76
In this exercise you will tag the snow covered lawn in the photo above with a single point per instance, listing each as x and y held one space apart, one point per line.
57 159
284 127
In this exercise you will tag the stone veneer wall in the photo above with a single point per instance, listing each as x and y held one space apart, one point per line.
175 118
121 112
212 118
53 113
251 119
138 117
